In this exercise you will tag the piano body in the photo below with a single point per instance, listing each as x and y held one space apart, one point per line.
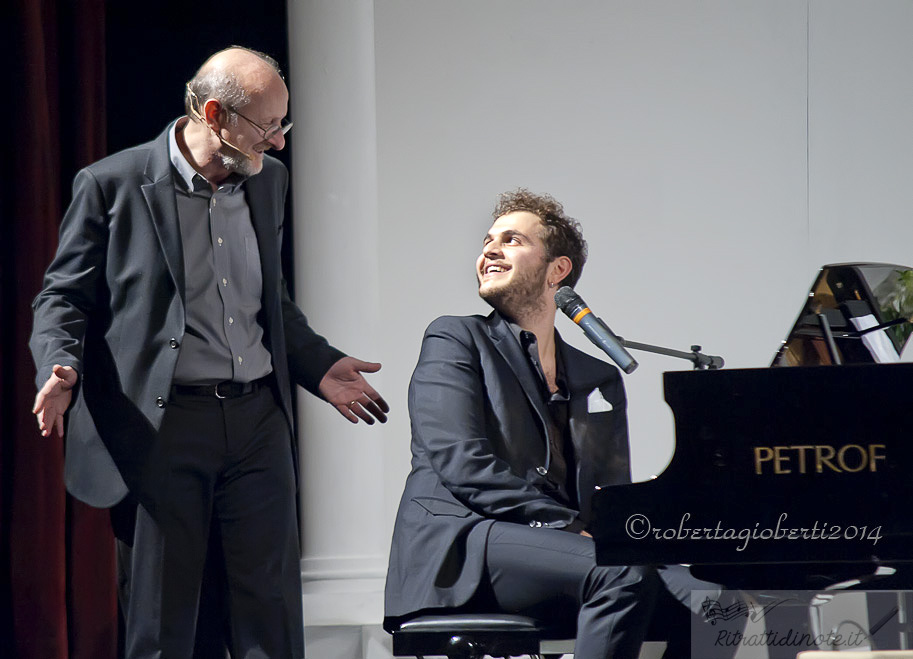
781 473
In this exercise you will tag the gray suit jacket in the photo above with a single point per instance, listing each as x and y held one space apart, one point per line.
479 444
112 307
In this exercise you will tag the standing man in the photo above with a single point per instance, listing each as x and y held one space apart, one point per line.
166 331
511 431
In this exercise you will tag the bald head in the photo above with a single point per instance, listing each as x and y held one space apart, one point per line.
253 70
232 77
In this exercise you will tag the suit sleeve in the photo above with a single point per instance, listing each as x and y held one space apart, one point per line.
73 282
309 355
447 409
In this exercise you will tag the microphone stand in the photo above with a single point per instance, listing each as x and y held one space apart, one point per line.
701 361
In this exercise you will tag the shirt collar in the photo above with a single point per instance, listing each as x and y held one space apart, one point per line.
523 336
530 347
190 178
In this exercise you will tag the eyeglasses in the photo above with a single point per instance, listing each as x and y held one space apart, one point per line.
269 132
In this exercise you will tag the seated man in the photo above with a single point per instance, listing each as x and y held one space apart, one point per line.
511 430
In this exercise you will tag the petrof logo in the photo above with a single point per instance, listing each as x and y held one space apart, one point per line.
808 458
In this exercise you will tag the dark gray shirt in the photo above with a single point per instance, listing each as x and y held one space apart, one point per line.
223 279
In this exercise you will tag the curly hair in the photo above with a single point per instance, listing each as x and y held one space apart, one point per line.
560 234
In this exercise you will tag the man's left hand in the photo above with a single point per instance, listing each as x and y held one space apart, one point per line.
346 389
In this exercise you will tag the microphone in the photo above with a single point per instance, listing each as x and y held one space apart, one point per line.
233 147
596 331
197 115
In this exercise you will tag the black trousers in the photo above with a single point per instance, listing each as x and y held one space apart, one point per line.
551 575
225 508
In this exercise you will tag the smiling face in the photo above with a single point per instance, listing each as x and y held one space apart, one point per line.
267 108
512 268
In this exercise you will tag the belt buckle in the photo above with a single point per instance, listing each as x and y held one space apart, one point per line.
218 395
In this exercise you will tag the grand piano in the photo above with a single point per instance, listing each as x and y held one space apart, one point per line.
787 477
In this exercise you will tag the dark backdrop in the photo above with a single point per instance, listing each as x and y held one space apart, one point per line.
83 78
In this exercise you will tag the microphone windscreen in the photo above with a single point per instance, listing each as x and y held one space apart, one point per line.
565 297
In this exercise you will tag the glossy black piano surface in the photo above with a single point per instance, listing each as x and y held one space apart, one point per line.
852 299
774 466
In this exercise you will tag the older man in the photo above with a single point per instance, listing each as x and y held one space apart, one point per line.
165 330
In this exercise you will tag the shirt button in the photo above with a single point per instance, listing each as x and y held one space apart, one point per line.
160 402
174 343
240 359
231 321
224 281
220 241
213 201
542 471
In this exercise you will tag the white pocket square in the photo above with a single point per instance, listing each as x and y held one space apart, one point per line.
596 403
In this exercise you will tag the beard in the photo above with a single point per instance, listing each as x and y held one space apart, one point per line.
239 164
519 297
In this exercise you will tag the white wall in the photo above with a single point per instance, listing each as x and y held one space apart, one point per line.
675 132
860 131
716 152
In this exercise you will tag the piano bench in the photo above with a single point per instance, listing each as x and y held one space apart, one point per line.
470 636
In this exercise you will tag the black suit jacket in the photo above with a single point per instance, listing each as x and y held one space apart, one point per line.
479 444
112 307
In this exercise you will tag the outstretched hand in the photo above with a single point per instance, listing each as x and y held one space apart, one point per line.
346 389
53 399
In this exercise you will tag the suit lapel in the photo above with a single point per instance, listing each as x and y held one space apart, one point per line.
160 199
266 219
580 381
263 214
509 348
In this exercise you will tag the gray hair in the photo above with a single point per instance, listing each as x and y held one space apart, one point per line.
220 85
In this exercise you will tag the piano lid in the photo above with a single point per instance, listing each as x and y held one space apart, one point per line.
866 307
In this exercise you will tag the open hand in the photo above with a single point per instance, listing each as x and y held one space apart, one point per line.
53 399
346 389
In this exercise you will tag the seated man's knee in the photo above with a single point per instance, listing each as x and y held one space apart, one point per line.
642 580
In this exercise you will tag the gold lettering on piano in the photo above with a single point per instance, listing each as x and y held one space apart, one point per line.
805 458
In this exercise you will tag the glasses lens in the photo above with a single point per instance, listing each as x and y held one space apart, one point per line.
277 130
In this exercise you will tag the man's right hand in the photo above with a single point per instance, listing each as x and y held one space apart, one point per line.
53 400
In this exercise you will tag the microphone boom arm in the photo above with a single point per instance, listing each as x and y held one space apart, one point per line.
701 361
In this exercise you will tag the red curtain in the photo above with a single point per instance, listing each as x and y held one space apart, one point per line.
59 595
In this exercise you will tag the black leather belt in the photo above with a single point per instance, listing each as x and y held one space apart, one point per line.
226 389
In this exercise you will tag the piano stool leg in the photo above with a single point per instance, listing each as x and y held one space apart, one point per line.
889 620
904 611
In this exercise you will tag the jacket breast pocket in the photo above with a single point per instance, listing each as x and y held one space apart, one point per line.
439 507
596 403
